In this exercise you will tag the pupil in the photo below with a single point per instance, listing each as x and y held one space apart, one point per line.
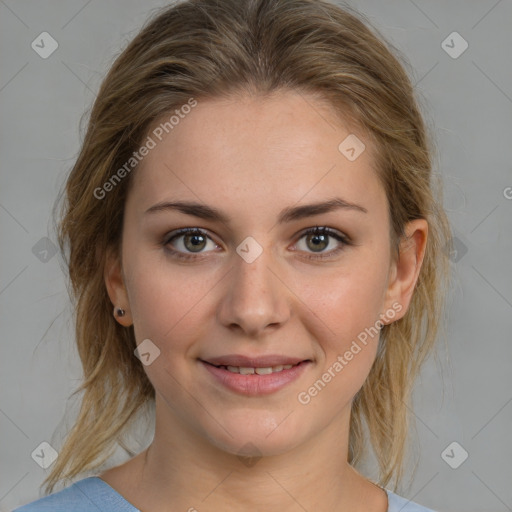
319 242
196 241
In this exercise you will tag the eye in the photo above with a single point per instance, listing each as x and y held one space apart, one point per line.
318 239
189 243
186 242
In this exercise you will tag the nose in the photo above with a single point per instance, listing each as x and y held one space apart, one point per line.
255 298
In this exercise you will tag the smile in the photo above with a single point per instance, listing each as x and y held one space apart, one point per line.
260 370
255 380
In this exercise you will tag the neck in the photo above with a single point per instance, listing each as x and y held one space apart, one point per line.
192 474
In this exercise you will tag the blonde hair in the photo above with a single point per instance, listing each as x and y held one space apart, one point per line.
210 48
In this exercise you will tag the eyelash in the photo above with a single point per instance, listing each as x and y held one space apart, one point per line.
317 230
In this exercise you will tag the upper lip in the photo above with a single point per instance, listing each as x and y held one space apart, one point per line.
253 362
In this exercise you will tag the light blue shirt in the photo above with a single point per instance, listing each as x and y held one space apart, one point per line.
92 494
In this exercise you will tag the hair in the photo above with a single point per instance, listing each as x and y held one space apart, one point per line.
207 49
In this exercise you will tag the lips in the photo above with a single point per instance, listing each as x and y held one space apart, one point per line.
255 375
265 370
266 361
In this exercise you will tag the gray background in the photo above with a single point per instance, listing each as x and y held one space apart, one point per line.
465 397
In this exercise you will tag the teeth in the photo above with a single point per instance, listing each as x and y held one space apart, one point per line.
263 371
260 371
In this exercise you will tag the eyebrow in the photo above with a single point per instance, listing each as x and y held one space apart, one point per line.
287 215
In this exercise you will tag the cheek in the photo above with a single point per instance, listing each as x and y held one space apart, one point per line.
167 301
348 300
342 320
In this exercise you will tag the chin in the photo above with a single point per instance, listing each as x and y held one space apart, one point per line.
253 434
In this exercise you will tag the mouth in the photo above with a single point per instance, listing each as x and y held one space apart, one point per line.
255 376
247 370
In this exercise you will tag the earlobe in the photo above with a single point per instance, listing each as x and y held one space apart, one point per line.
116 289
406 268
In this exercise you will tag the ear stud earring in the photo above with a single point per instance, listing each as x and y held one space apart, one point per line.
119 312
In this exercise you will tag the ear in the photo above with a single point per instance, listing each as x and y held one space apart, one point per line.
405 269
116 289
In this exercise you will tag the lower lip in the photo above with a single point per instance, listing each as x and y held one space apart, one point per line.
255 384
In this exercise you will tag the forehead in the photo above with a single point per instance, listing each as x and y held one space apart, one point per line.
256 150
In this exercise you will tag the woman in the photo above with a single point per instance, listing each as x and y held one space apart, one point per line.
254 244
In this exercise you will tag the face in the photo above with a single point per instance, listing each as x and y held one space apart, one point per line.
262 279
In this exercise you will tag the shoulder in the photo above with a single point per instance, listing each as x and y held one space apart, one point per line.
87 495
398 504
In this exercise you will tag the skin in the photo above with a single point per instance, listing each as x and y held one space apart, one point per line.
251 157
